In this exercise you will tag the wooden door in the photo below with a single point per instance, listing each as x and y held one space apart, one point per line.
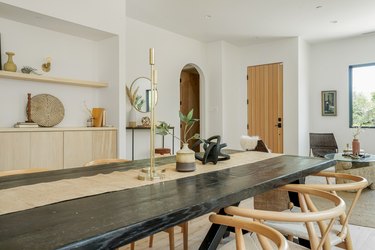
189 99
265 104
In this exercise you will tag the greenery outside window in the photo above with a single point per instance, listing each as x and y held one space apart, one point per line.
362 95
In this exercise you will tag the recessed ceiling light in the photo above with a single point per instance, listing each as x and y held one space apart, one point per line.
207 17
334 21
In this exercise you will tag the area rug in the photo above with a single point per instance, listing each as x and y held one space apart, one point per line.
364 211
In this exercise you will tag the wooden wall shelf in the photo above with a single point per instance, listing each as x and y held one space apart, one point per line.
48 79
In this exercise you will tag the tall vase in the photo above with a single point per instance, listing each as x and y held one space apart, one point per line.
132 118
356 147
9 65
185 159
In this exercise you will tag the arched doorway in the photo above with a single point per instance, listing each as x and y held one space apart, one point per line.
190 98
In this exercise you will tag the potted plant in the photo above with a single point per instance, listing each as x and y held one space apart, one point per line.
185 157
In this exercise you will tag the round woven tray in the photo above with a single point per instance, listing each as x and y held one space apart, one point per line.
46 110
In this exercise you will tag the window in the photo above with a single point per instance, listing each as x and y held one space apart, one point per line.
362 95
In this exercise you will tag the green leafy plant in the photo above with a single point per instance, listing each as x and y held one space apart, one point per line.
188 122
138 102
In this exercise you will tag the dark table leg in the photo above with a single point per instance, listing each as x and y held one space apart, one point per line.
215 234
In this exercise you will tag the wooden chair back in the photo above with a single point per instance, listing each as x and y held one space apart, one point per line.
322 144
273 200
262 147
308 214
351 183
262 231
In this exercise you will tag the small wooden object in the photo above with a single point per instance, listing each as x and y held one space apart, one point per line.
28 109
163 151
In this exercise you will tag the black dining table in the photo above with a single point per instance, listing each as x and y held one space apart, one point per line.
114 219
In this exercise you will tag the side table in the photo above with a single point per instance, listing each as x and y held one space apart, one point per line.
145 128
363 166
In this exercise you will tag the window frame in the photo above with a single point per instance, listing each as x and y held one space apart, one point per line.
351 92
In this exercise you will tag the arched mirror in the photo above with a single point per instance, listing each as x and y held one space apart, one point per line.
140 94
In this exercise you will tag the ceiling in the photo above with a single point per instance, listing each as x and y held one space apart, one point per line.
245 22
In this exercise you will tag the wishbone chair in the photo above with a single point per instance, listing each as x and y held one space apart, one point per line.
317 225
264 233
352 183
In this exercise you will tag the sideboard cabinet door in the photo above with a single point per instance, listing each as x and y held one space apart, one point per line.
77 148
46 150
14 151
104 144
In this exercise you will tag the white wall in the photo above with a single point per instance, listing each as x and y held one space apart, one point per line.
72 57
329 71
215 94
172 53
285 51
234 86
303 97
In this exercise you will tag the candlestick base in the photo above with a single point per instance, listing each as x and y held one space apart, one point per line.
145 175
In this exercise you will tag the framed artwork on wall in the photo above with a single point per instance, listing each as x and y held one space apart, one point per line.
329 103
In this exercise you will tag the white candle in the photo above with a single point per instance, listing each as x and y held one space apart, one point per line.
155 75
152 62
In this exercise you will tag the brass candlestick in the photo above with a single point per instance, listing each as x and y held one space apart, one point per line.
151 172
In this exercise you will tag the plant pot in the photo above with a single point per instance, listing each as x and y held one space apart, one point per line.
185 159
132 118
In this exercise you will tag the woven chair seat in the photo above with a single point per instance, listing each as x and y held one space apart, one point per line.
299 230
252 242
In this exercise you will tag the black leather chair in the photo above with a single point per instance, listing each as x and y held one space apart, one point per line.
322 144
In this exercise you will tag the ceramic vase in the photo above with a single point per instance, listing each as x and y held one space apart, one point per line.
356 147
185 159
132 118
9 65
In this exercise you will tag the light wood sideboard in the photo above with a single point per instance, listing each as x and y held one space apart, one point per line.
55 148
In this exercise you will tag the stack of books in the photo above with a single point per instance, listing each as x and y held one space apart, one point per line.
349 152
26 125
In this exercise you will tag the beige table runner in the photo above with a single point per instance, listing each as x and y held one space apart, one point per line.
36 195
